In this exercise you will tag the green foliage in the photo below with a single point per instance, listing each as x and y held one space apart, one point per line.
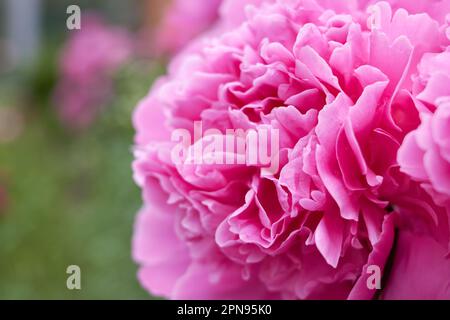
72 200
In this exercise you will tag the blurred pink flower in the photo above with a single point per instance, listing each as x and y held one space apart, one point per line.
88 61
3 198
335 80
183 21
186 21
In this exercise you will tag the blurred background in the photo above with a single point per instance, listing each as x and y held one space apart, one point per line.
66 98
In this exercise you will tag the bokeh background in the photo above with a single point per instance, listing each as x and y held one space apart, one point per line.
67 195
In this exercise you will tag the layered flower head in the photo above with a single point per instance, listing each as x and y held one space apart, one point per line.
334 80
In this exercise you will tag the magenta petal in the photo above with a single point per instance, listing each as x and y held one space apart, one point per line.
421 270
163 257
198 283
378 257
329 236
410 157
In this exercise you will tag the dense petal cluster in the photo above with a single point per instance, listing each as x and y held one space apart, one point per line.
425 154
339 82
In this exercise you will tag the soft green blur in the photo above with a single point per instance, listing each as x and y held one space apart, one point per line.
72 200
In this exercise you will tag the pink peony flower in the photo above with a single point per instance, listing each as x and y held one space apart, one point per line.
87 62
335 81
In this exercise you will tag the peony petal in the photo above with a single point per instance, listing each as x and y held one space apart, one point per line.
421 270
329 236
